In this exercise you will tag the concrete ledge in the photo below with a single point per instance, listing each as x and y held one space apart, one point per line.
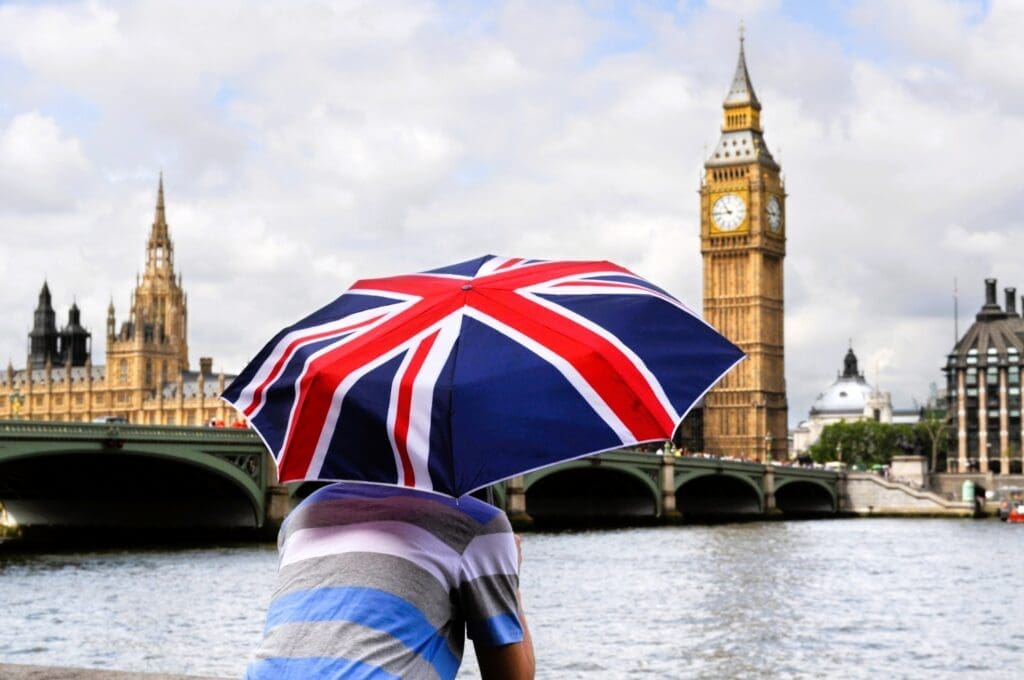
20 672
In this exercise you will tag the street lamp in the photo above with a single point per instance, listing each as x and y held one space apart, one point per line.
767 447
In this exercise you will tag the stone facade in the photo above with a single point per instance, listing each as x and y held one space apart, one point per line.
743 244
983 378
146 379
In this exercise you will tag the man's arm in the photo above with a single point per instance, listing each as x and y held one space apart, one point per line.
514 661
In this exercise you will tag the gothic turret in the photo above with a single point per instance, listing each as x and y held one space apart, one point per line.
74 339
43 337
111 322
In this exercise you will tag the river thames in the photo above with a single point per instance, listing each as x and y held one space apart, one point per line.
861 598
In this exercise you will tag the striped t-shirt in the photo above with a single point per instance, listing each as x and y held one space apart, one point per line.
384 582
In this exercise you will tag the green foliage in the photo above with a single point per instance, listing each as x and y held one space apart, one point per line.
864 442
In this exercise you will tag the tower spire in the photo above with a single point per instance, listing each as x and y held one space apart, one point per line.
160 219
741 92
160 250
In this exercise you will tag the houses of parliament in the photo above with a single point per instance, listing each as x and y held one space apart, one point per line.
147 378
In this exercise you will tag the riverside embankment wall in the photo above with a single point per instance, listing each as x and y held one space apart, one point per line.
868 494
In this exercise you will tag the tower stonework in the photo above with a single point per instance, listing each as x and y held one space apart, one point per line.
743 244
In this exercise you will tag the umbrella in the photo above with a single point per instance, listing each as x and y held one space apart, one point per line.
456 378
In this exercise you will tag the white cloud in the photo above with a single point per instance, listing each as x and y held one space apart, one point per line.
308 144
40 167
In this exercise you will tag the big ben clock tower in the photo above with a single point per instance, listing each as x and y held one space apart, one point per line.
743 244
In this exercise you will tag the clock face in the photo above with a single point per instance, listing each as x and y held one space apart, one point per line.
728 212
774 212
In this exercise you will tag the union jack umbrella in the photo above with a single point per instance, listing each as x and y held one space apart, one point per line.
456 378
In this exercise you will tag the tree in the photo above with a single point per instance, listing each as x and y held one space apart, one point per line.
932 431
863 442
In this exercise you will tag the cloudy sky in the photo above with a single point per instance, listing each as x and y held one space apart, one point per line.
307 144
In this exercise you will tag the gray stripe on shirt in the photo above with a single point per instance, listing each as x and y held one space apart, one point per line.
345 640
488 596
388 573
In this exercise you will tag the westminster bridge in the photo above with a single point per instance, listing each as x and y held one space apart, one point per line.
61 477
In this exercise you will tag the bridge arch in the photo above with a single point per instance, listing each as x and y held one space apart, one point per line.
805 497
131 485
718 493
582 491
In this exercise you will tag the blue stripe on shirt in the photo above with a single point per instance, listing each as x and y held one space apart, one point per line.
499 630
372 608
303 668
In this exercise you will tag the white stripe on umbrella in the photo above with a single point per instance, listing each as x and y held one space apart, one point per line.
578 382
323 443
422 408
302 337
652 381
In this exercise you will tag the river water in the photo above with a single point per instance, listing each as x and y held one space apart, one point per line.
862 598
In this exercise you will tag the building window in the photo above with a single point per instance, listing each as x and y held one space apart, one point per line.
79 399
170 419
1013 375
123 371
58 400
972 376
149 373
992 375
99 400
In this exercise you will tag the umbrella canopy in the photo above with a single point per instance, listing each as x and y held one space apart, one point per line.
460 377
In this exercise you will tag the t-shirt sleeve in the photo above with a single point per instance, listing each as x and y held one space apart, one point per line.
489 580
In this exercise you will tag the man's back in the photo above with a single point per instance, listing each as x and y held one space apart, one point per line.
379 582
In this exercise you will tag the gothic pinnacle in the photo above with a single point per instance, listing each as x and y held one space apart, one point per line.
742 91
160 217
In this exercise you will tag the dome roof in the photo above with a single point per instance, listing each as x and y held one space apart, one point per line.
848 394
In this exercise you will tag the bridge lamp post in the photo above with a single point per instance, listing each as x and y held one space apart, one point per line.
767 448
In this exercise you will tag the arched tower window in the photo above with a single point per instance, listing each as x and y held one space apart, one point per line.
122 371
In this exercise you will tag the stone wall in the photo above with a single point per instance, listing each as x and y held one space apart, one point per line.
951 485
869 494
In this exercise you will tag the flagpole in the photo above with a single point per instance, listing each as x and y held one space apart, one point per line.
956 316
